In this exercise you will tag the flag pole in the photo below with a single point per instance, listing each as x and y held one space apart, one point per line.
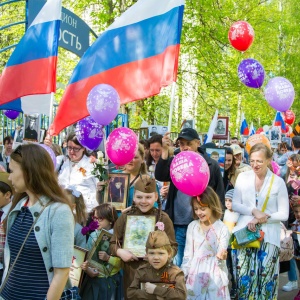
51 108
172 105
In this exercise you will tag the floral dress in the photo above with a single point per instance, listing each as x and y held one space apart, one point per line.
207 276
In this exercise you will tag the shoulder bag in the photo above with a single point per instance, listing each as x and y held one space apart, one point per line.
244 238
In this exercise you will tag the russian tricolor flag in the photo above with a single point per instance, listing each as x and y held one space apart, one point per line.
252 129
280 122
31 69
244 126
137 55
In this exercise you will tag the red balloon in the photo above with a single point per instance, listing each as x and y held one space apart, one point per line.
241 35
289 117
259 130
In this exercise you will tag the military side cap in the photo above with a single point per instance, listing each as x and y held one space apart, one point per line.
157 239
145 184
4 178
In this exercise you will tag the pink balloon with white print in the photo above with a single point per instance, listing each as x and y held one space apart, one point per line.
121 146
190 173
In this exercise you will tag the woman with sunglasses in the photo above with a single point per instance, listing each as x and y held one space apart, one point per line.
76 170
40 221
261 199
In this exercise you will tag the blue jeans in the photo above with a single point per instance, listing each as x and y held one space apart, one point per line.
180 235
292 273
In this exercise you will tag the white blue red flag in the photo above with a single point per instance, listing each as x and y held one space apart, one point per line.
137 55
31 69
212 128
280 122
252 129
244 126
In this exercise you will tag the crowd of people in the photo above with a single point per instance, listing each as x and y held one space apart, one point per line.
191 252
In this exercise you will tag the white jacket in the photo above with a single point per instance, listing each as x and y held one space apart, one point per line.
84 181
244 201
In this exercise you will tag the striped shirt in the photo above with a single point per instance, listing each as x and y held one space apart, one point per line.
28 279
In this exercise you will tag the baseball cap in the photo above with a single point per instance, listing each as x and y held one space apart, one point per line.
236 149
188 134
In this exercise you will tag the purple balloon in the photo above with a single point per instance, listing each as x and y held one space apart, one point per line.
89 133
280 93
12 114
103 103
251 73
51 153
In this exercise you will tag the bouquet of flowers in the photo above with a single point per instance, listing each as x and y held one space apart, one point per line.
100 170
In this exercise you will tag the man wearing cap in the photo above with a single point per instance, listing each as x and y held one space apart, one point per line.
237 153
178 204
30 132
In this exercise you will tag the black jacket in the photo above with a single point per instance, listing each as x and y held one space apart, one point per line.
162 173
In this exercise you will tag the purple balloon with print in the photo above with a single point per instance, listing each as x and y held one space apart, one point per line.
11 114
251 73
190 173
121 146
89 133
280 93
103 103
51 153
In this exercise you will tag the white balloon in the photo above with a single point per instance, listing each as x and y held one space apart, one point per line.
266 128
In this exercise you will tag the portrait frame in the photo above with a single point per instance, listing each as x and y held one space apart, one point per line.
136 234
222 136
222 155
18 138
31 135
117 197
76 273
144 132
275 135
188 124
104 268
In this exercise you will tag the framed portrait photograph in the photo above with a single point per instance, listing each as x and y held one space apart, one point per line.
19 135
221 130
218 155
144 132
275 135
32 127
157 129
136 233
101 244
116 193
76 273
188 124
287 140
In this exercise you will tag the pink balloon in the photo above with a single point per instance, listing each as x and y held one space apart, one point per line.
121 146
276 168
190 173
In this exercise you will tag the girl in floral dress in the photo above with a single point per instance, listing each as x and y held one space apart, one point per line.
204 261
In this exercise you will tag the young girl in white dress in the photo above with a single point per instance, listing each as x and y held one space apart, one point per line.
204 261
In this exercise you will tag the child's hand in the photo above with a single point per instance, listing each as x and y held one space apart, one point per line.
103 255
126 255
222 254
149 287
84 265
101 185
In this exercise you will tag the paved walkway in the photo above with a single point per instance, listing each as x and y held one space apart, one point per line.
283 279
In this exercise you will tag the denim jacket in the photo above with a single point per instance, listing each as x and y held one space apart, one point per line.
54 232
